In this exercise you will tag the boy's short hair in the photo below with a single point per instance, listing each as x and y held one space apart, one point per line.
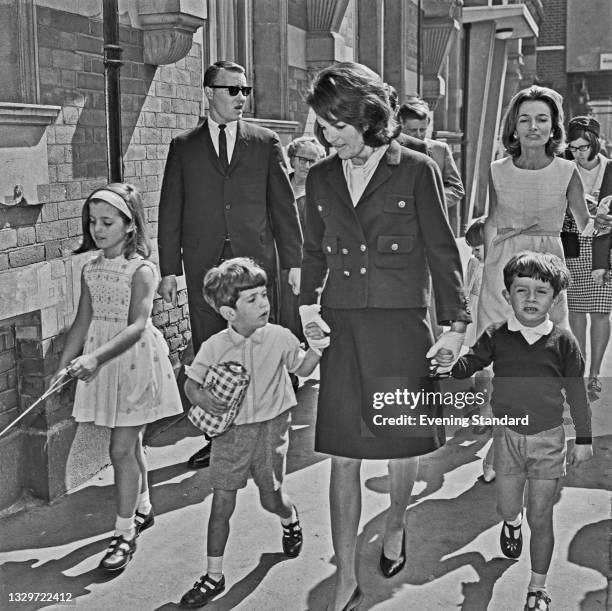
474 236
223 283
540 266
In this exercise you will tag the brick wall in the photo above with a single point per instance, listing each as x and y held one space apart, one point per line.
157 104
9 399
553 26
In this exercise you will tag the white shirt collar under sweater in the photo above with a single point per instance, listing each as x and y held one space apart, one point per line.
231 129
358 176
531 334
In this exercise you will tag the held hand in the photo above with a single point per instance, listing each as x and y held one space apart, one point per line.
600 276
603 223
83 367
294 279
580 453
167 289
315 337
311 318
209 403
446 350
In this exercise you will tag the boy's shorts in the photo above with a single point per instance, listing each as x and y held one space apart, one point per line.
258 449
538 456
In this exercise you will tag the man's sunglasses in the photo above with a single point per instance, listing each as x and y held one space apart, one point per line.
233 89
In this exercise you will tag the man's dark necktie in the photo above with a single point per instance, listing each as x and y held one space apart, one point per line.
223 147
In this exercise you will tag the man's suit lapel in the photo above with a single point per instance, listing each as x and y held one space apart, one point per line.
242 138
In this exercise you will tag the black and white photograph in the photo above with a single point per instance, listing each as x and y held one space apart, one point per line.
305 305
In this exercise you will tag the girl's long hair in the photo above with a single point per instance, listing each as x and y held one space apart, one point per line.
136 241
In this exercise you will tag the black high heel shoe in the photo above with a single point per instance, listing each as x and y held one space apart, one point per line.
390 567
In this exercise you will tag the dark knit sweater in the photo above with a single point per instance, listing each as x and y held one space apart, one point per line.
529 379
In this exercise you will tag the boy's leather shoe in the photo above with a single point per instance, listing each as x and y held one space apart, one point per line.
143 521
201 458
203 591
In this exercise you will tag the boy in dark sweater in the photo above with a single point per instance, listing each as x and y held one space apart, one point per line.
533 361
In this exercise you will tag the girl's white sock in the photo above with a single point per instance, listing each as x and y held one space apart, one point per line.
214 567
144 503
537 582
124 527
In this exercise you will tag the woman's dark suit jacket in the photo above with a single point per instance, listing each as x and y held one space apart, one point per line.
381 252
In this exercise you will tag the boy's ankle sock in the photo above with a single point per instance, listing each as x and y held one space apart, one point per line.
537 582
291 519
124 527
214 567
144 503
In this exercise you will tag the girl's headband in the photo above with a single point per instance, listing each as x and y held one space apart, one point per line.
114 199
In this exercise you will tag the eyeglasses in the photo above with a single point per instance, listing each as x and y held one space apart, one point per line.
306 160
233 89
583 148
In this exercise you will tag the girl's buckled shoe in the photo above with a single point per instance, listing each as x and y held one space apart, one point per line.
118 554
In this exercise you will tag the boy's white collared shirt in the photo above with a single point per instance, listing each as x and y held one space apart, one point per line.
268 354
531 334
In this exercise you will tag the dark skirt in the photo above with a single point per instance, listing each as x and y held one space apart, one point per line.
375 360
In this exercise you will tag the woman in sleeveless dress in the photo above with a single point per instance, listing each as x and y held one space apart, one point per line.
529 192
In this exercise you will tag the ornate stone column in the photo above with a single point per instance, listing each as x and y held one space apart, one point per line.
168 27
324 45
441 24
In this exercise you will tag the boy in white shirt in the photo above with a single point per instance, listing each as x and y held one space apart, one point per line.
256 444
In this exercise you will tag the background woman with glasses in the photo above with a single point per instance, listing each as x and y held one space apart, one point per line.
589 295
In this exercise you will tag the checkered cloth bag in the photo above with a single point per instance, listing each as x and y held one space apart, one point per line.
228 383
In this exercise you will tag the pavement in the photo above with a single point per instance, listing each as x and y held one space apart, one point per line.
454 561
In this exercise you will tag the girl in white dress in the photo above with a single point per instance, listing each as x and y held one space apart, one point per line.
125 377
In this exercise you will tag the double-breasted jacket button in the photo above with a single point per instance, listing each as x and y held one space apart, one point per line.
363 270
363 248
228 206
394 246
320 208
345 251
329 249
401 204
346 272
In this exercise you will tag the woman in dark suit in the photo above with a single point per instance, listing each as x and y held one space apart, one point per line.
375 220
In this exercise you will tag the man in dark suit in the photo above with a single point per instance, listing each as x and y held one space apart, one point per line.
225 193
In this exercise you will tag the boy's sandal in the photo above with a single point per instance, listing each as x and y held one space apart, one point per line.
511 546
142 521
203 591
118 554
537 601
292 537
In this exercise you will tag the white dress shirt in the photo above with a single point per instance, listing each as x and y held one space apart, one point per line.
231 130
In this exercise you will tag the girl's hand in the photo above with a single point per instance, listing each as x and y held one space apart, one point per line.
600 276
84 367
315 337
209 403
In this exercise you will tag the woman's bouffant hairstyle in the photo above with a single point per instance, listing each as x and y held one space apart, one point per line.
574 131
294 146
223 284
536 94
475 236
351 93
136 241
